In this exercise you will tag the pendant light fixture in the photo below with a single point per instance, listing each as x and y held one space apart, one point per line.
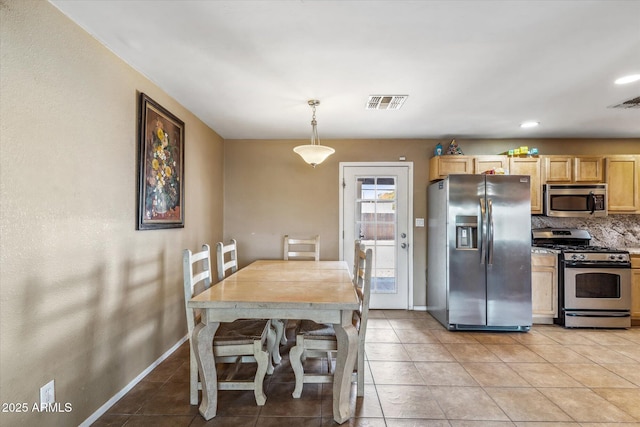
314 153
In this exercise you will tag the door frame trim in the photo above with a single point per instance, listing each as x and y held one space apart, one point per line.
409 166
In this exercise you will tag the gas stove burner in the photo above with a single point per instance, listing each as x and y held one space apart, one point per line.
578 248
591 249
561 247
574 247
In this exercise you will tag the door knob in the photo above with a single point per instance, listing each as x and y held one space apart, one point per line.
403 235
403 246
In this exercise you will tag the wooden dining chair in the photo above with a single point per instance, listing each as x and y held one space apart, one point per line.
314 340
240 341
227 260
299 249
296 248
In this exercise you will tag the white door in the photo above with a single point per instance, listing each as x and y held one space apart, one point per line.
375 208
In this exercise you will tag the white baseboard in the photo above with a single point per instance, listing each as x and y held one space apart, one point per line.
419 308
104 408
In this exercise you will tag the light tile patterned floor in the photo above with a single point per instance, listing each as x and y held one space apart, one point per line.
419 374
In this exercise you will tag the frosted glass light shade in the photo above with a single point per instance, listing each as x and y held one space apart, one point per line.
314 154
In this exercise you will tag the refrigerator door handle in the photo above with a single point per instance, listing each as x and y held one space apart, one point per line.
483 231
490 231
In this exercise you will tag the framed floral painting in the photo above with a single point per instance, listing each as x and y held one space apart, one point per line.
160 167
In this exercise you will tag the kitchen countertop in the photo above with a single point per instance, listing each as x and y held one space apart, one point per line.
633 251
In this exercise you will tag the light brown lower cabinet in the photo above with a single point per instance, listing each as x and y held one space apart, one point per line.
544 287
635 289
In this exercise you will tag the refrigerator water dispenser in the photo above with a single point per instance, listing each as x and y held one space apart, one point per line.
466 232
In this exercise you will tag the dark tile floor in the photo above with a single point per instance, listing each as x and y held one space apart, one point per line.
419 374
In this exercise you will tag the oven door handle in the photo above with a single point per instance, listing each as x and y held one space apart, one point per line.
598 264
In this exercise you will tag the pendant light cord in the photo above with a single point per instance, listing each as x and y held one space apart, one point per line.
315 139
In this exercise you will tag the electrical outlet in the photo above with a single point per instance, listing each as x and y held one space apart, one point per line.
48 393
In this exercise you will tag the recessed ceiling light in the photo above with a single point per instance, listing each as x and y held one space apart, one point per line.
530 124
627 79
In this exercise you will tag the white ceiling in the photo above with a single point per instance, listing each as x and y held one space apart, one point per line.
472 69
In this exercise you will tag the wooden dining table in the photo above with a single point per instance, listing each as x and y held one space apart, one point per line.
274 289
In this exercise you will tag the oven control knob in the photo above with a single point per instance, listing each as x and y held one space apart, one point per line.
582 256
612 257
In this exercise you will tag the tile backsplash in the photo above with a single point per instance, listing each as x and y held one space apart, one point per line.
615 231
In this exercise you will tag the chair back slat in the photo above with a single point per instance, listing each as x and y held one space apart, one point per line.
199 256
302 248
224 264
199 277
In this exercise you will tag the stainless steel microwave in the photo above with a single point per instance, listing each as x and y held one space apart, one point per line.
575 200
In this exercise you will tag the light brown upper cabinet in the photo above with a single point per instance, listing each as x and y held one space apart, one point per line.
558 168
529 166
486 163
572 169
622 174
588 169
442 166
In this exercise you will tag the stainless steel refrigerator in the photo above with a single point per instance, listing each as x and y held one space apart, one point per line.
479 252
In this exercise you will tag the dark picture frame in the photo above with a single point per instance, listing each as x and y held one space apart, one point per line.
160 167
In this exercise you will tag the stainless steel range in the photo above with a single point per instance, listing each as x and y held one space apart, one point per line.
594 283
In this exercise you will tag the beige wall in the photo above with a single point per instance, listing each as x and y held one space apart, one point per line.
85 299
270 191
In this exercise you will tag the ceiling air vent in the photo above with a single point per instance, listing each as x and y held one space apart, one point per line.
385 102
632 103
